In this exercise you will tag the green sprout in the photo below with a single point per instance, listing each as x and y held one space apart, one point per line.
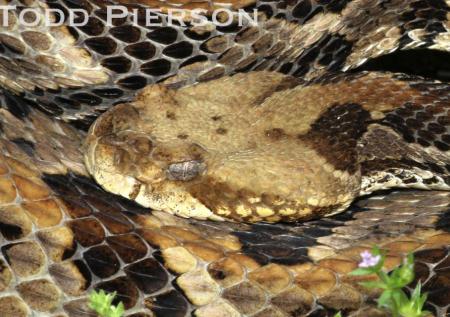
393 298
101 303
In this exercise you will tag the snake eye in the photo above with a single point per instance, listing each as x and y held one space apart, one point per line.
185 171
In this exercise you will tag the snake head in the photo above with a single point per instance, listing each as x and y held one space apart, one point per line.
206 153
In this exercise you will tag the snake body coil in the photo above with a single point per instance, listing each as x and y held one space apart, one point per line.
285 122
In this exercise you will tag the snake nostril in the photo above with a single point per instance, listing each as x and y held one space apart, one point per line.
185 171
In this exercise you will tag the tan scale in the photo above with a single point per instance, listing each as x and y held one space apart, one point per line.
26 258
40 294
199 287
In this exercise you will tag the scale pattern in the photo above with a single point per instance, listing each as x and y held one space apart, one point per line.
59 229
63 236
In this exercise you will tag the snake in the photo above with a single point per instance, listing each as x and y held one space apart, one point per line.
222 169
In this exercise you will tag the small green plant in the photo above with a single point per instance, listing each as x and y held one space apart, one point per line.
101 303
393 298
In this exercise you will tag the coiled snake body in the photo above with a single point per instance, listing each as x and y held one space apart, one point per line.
284 123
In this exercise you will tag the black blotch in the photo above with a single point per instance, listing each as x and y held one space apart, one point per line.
16 105
443 222
102 45
70 251
126 33
233 27
83 269
334 5
171 304
427 63
133 82
118 64
249 237
158 67
68 103
194 59
73 32
430 181
94 27
38 91
305 11
441 146
266 9
131 208
142 50
148 275
164 35
86 99
102 261
338 130
10 232
286 68
83 124
179 50
302 9
25 145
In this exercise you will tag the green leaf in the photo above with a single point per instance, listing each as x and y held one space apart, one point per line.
373 284
101 303
117 311
400 298
385 299
393 297
384 277
363 271
338 314
376 250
